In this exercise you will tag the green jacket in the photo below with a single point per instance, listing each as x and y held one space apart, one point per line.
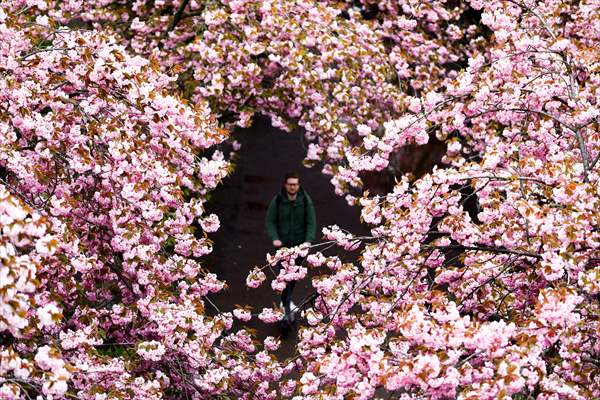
292 222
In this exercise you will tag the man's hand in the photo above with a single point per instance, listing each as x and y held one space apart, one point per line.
277 243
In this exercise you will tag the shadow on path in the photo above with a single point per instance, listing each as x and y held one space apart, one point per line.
241 202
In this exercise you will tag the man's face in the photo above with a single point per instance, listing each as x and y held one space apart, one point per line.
292 185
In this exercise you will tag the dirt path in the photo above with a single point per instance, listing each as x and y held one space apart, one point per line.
241 203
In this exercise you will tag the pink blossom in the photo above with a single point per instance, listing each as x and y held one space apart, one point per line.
48 315
270 315
255 278
242 314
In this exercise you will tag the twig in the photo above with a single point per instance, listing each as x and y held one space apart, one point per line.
508 178
176 18
486 248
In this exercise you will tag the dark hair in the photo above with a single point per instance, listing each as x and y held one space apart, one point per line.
289 175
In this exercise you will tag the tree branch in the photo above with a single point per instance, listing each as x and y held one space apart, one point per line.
593 164
176 18
590 360
584 155
486 248
507 178
117 269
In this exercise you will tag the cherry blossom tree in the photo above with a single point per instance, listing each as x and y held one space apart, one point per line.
316 65
480 279
41 364
104 175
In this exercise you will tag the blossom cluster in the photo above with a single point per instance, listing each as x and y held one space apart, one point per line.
105 171
479 280
338 69
39 366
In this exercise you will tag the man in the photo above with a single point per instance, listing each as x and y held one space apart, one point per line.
291 221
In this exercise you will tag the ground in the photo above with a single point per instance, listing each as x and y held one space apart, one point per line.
241 202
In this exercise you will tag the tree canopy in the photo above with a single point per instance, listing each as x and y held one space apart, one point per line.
480 279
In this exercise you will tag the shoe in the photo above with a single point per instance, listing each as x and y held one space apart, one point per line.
292 306
292 312
292 315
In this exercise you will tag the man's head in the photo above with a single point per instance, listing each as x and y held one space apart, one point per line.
291 183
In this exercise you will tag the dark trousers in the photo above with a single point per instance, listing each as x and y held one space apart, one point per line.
286 295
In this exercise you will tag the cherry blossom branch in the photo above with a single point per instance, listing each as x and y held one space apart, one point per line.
212 304
536 14
117 269
468 358
486 249
516 54
24 383
508 179
46 50
593 164
522 189
490 279
176 18
584 154
355 287
591 360
575 130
